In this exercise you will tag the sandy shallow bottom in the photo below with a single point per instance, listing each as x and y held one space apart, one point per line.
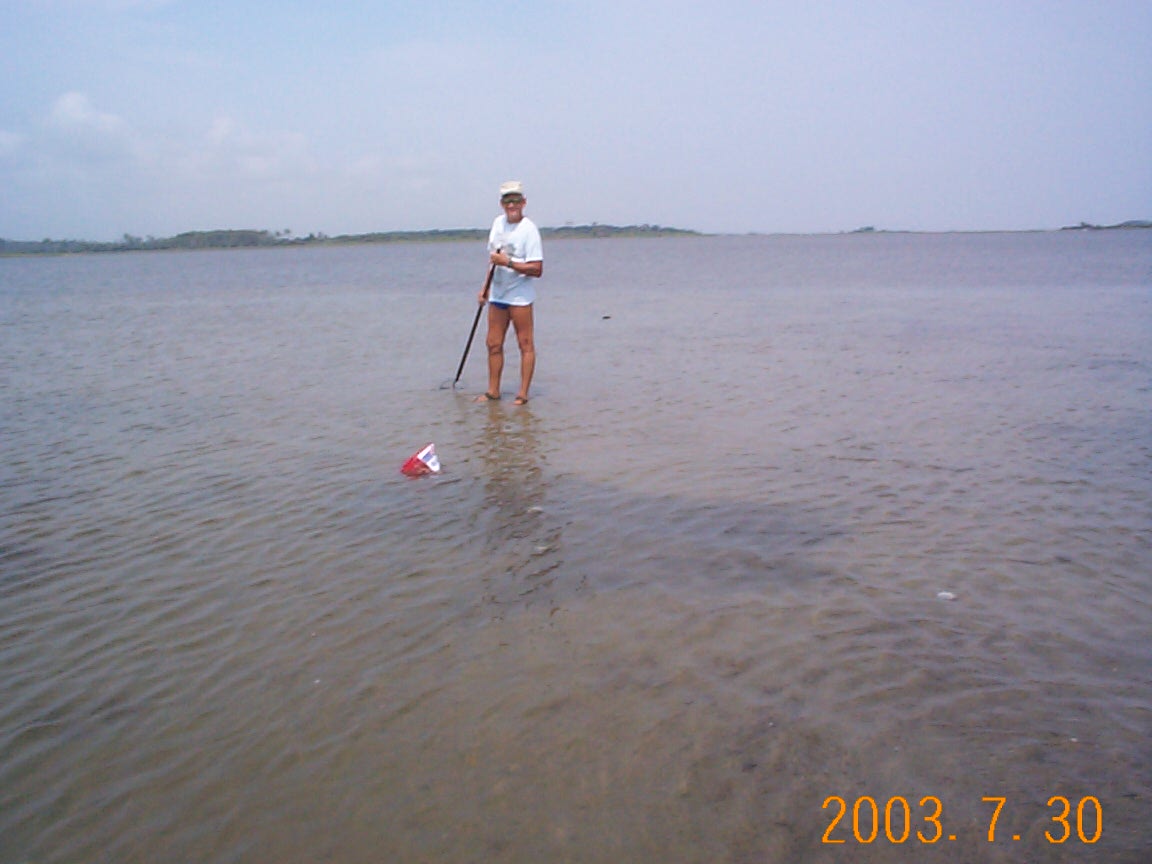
868 523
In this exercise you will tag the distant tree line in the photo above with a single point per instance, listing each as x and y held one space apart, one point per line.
237 239
130 243
1084 226
595 230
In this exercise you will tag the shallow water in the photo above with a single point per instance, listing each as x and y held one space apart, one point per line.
664 612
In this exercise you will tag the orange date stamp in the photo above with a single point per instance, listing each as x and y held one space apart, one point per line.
897 821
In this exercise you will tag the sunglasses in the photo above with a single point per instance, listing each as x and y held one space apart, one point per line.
507 201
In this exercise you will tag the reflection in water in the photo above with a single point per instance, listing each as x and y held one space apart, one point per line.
522 542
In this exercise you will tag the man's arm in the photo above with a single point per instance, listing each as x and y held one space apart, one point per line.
524 268
527 268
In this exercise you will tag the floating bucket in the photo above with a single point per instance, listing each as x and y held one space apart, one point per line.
423 462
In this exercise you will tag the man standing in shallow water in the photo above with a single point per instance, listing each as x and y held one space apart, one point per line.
515 249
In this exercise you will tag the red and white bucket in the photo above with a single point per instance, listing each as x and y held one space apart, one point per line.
422 462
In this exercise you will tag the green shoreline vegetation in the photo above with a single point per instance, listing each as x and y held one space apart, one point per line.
247 239
1130 225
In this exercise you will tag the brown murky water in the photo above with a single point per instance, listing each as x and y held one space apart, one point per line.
787 520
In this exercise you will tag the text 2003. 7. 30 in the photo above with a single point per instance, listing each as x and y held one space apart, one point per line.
898 821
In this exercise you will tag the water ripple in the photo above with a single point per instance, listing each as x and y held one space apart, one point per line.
695 588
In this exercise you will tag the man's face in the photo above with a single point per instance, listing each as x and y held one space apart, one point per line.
513 207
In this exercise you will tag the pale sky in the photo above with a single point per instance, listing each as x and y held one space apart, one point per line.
153 117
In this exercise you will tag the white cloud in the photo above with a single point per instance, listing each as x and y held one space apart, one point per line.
232 150
74 111
81 138
10 143
122 177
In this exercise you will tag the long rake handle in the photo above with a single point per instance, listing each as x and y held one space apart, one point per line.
475 321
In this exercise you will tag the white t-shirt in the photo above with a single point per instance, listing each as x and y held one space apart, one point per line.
521 240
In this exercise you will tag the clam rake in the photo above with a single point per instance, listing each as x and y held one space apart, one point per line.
472 332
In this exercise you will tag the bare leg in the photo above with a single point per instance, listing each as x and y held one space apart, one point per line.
497 330
522 321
